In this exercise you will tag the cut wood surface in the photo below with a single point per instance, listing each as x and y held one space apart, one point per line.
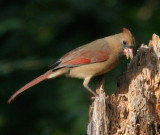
135 108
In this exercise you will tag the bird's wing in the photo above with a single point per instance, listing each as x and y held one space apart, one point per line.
87 54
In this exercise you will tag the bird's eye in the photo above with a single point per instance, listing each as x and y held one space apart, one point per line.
124 42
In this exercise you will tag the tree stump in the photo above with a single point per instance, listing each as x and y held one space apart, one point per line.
135 108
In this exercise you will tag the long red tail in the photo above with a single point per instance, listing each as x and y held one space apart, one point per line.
30 84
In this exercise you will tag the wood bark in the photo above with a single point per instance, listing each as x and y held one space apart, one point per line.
135 108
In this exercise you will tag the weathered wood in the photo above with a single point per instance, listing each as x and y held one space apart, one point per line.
135 108
97 114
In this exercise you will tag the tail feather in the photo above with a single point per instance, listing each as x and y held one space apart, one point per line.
30 84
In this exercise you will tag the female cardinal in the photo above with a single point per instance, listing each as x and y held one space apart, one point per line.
90 60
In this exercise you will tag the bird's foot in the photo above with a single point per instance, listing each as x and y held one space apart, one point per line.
95 95
93 98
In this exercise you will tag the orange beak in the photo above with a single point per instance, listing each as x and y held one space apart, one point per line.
128 52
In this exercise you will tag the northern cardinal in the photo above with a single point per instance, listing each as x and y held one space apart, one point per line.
90 60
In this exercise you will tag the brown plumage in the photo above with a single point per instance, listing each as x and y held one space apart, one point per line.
90 60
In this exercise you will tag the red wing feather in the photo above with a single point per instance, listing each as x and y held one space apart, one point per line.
84 57
77 61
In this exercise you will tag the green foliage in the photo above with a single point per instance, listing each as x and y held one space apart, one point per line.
36 33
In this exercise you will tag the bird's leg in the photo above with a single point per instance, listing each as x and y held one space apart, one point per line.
85 84
100 80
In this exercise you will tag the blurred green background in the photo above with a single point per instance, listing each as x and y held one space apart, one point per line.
36 33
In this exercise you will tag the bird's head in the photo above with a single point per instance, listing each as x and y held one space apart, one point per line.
128 43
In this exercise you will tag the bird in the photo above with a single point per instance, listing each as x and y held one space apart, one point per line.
88 61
